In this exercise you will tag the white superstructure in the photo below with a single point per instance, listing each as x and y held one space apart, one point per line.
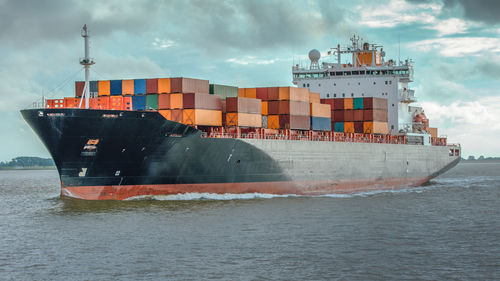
367 75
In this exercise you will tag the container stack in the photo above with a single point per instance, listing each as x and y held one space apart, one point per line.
223 90
358 115
243 112
288 108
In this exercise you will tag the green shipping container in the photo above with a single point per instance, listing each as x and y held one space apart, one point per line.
151 101
223 90
358 103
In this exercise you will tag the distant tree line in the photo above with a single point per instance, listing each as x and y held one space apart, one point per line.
482 158
26 161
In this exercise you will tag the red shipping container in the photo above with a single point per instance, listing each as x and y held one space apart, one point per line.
262 93
79 85
164 101
202 101
374 103
176 115
127 103
243 105
299 108
295 122
189 85
358 127
358 115
348 115
273 107
338 104
152 86
330 102
338 116
375 115
273 93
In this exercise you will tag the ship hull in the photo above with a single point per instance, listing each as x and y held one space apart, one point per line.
113 155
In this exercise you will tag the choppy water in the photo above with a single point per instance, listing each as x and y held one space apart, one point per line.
447 230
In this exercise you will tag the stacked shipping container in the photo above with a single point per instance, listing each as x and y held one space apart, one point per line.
359 115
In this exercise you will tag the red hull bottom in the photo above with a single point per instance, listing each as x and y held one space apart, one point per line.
121 192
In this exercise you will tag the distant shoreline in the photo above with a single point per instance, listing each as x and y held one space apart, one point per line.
481 161
27 168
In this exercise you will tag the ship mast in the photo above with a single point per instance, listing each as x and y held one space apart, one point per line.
86 62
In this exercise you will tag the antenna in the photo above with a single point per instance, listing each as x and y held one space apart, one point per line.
86 62
399 48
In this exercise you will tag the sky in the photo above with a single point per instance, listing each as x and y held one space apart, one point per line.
455 45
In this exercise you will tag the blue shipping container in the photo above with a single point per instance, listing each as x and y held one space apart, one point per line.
321 124
140 86
339 127
357 103
139 102
115 87
94 87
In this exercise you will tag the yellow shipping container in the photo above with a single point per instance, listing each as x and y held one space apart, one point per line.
321 110
176 101
375 128
163 85
348 103
348 127
166 113
244 120
314 98
127 87
104 88
202 117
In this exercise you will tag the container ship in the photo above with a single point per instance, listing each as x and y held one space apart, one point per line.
343 128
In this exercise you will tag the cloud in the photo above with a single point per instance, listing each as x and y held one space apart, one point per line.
459 46
162 44
478 10
27 23
474 124
397 12
251 60
450 26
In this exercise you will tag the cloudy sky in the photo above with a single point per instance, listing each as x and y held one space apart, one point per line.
455 45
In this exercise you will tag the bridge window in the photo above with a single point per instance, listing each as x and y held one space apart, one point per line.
304 85
327 95
343 95
307 85
374 82
334 95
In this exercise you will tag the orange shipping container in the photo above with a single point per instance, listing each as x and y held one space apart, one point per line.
71 102
348 127
127 87
251 93
163 85
203 117
321 110
292 93
264 107
273 122
433 132
166 113
241 92
314 98
104 88
348 103
176 115
176 101
375 127
164 101
244 120
79 85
